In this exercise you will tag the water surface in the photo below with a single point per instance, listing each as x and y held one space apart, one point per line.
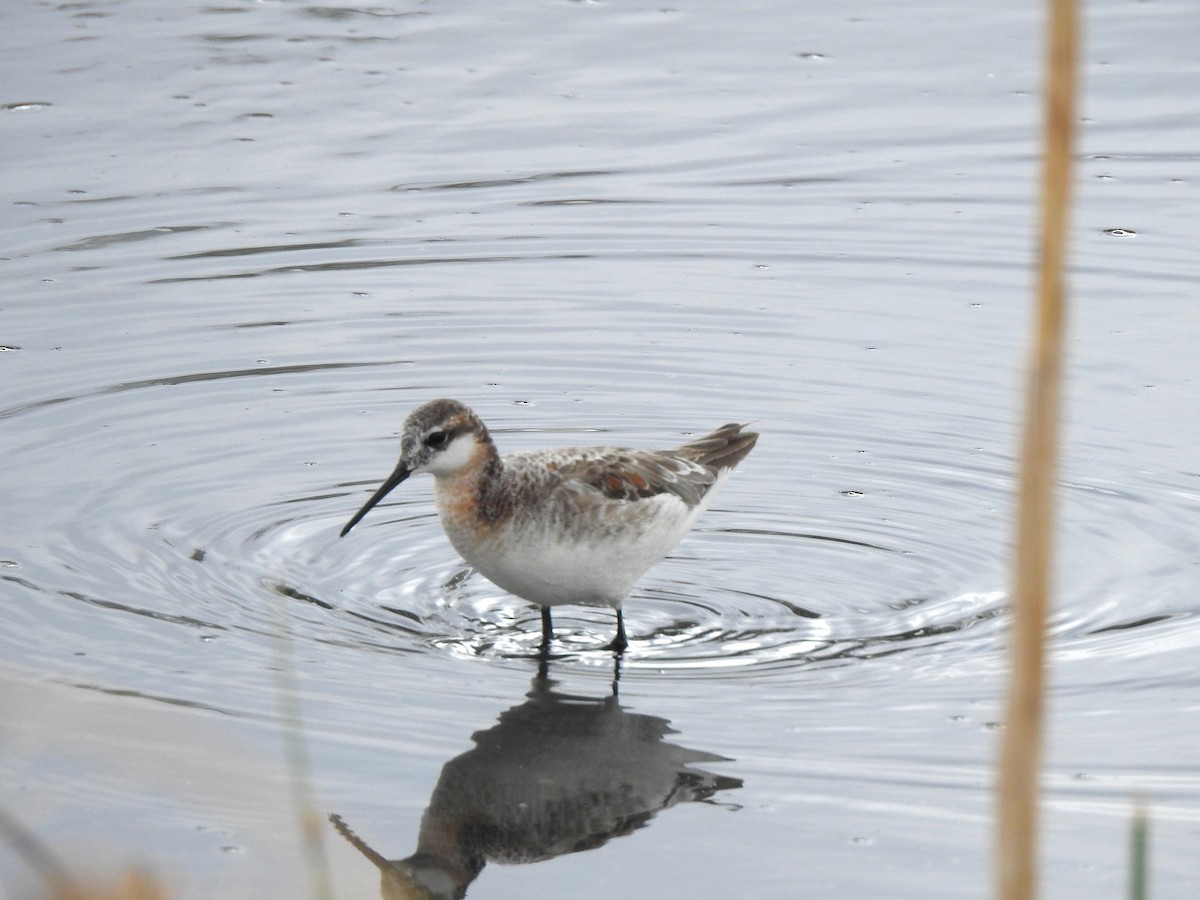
243 241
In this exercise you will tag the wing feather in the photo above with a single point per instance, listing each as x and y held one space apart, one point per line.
687 472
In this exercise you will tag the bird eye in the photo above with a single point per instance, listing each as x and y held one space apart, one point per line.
437 439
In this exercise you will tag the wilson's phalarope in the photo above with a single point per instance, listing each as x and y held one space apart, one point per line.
572 526
556 774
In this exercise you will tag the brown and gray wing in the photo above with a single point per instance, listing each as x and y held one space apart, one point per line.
687 472
635 475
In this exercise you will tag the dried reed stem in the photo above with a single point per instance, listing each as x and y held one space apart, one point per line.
1020 754
299 767
61 884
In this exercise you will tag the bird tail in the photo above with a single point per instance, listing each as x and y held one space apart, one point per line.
723 449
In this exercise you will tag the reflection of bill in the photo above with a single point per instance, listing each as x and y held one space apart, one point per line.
555 775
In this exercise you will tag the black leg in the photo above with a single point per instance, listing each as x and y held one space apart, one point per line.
620 642
547 628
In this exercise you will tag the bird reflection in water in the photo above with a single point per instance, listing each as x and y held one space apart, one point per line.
557 774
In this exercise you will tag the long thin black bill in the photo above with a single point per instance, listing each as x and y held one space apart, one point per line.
401 472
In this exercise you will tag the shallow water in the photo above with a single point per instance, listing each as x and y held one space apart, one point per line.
243 241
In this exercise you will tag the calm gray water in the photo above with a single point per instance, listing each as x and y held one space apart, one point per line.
241 242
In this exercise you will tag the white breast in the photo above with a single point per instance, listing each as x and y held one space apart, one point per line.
577 548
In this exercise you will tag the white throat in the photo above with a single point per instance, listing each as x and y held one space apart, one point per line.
458 455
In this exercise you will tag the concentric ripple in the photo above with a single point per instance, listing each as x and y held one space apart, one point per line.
899 551
397 585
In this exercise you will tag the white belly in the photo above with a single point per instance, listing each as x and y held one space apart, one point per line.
585 556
